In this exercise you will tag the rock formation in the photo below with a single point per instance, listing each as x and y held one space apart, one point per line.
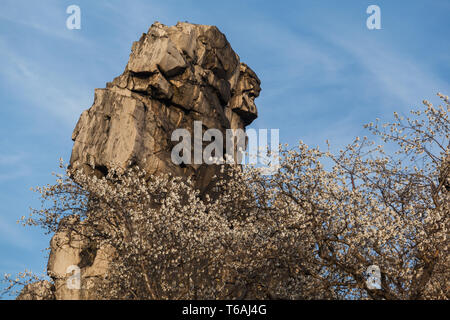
175 76
40 290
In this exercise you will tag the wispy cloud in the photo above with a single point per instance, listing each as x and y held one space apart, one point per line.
47 21
13 166
15 173
32 76
12 234
324 84
11 159
39 87
398 74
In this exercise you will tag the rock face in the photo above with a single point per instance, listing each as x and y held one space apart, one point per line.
175 76
41 290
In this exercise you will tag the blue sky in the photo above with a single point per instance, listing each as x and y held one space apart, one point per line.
323 74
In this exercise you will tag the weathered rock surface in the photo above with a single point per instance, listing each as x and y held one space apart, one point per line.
41 290
175 76
68 248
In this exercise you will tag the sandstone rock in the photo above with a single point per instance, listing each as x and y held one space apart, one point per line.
41 290
68 249
175 76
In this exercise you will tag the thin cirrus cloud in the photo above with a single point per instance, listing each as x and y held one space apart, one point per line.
13 166
298 71
340 78
47 19
399 75
34 77
11 159
15 173
15 235
40 87
43 29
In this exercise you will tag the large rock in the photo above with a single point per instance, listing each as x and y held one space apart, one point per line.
41 290
444 174
175 76
69 249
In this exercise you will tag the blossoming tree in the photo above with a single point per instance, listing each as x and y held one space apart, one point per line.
310 231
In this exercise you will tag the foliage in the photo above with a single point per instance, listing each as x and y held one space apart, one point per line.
306 232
